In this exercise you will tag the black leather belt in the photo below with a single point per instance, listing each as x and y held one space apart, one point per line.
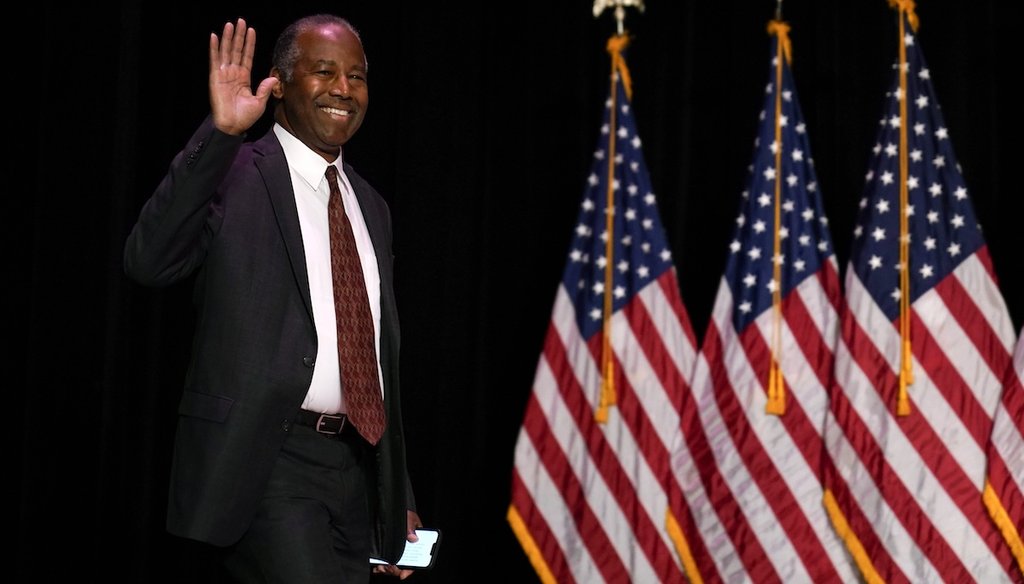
323 423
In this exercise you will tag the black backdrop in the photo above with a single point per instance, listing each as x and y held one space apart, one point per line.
483 120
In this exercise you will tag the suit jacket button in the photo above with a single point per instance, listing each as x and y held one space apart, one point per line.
308 361
286 425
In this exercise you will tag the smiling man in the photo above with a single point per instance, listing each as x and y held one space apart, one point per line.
289 453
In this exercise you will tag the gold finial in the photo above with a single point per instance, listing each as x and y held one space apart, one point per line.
620 9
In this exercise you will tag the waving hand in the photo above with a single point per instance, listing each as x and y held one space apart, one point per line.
234 106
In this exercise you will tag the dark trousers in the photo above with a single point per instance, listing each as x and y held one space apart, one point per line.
313 524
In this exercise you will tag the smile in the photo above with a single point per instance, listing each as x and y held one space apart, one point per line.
336 112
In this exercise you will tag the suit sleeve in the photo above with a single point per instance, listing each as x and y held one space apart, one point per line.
174 228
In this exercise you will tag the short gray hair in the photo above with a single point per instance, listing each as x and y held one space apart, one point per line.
286 50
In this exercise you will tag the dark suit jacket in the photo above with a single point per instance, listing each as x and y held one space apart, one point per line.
227 210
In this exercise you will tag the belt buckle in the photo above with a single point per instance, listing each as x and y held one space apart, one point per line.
324 418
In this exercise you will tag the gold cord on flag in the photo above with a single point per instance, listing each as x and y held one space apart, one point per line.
675 533
533 552
906 355
850 539
616 45
1005 523
776 385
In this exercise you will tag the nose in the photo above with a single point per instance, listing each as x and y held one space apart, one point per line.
340 87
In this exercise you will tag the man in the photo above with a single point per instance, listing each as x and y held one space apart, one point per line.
291 494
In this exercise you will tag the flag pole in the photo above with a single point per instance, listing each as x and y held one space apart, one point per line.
616 44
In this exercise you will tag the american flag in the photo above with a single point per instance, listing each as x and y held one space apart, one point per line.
589 498
752 508
1004 487
904 487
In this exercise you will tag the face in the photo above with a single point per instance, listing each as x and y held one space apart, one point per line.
324 103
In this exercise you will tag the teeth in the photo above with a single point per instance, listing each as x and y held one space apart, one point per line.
336 111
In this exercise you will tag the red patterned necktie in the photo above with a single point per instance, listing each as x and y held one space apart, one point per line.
357 355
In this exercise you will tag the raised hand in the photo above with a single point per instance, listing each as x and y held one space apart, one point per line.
234 106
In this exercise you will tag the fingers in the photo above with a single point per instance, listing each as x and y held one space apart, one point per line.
238 42
391 571
224 47
236 45
249 48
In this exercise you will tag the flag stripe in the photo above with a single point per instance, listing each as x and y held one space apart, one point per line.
917 450
696 476
609 451
1004 492
544 540
773 491
887 522
581 490
786 479
870 518
649 418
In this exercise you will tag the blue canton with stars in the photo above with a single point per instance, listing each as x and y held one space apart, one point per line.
805 243
942 225
640 252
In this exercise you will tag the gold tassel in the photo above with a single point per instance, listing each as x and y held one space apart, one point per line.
776 391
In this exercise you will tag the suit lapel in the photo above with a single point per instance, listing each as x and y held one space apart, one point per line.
273 167
377 225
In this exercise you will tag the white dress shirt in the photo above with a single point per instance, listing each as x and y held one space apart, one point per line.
312 192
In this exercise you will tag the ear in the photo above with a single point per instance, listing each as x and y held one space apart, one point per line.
278 90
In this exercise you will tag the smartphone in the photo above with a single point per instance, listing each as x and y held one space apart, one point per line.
418 555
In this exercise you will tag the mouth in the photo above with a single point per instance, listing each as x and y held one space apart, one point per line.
337 112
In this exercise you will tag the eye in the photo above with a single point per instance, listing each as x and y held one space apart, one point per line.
357 77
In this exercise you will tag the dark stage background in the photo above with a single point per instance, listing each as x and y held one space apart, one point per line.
483 120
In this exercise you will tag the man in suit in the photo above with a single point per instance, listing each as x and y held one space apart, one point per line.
271 461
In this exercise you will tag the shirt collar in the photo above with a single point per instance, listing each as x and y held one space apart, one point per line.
303 161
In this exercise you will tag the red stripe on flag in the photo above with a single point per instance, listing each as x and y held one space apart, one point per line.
718 494
588 525
960 487
986 260
604 457
539 530
669 287
758 463
670 379
1000 477
861 525
901 501
975 325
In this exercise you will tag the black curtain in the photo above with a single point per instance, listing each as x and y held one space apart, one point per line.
484 117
